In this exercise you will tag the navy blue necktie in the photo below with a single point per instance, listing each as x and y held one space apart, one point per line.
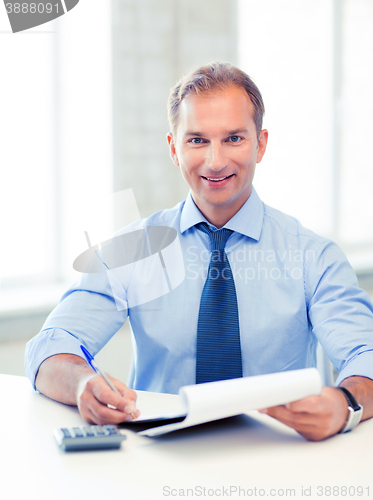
218 331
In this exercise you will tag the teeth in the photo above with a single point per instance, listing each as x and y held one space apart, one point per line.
221 178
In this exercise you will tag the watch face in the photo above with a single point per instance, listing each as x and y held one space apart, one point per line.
353 419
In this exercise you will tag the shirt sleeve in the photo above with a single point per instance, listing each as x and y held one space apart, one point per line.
88 313
341 313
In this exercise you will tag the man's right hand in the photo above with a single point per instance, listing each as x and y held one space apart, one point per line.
70 380
94 396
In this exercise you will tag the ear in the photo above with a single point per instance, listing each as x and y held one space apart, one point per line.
171 144
262 145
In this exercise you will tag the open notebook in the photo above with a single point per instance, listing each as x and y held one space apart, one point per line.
197 404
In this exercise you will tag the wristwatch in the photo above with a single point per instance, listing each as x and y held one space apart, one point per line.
355 411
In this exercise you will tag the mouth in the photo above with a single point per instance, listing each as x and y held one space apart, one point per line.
218 181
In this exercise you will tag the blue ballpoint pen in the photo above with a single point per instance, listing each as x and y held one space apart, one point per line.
92 363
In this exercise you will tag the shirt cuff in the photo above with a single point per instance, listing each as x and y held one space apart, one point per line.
361 366
48 343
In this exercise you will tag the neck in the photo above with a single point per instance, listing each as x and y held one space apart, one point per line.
218 215
217 218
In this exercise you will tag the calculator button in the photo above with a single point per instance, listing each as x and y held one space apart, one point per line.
93 437
98 430
78 432
111 430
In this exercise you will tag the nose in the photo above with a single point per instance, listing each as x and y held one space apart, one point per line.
215 156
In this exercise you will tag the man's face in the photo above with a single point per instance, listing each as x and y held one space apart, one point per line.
216 148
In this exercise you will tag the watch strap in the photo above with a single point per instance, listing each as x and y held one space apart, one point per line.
355 411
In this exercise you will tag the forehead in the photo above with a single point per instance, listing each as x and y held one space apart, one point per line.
228 109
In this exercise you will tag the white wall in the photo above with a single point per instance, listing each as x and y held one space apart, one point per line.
155 42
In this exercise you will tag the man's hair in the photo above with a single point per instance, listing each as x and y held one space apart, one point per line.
216 75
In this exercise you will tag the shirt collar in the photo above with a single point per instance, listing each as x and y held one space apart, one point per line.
248 220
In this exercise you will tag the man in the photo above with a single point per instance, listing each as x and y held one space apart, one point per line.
291 287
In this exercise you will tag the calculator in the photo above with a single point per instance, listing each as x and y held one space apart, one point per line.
93 437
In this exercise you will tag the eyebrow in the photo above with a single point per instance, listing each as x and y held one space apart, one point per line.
237 131
190 132
228 132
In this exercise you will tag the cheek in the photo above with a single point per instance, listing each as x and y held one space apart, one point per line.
243 155
246 162
190 160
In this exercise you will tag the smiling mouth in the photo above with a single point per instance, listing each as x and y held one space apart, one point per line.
216 179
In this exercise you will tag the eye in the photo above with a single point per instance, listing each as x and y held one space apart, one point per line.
234 138
196 140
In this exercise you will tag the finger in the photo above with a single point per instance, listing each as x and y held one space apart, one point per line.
288 417
301 422
329 408
86 414
306 427
130 395
105 395
96 397
90 415
123 389
102 415
92 418
329 397
312 426
121 404
311 404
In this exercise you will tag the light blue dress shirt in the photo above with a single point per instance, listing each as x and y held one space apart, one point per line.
293 289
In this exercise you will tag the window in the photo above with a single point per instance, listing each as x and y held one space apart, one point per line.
56 152
28 134
310 60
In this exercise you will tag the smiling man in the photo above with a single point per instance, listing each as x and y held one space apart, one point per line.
216 145
259 291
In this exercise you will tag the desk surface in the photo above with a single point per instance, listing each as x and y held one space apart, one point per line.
247 452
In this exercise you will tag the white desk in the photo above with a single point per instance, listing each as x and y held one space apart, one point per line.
246 451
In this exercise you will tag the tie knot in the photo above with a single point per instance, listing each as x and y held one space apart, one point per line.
218 238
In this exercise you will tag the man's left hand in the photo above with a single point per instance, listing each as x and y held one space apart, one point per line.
315 417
